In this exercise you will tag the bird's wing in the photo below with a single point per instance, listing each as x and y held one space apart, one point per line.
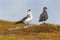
23 19
44 15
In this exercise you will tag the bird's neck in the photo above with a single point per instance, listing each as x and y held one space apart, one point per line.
44 10
30 13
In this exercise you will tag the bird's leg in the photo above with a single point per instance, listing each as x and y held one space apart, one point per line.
44 22
28 25
25 24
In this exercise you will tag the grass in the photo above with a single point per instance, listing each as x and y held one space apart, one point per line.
36 32
39 36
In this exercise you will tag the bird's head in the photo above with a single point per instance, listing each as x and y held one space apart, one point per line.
45 8
29 10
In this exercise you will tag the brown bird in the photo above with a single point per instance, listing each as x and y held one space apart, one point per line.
44 16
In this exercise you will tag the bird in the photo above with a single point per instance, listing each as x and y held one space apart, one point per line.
27 19
44 16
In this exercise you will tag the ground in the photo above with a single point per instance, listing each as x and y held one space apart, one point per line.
13 31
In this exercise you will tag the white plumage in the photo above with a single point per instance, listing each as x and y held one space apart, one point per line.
27 19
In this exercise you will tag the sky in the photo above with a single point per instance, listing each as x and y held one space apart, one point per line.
14 10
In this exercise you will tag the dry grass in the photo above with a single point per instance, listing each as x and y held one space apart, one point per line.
36 32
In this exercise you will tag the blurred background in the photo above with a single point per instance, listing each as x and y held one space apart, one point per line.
14 10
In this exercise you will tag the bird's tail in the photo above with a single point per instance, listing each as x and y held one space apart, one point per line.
40 20
18 22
